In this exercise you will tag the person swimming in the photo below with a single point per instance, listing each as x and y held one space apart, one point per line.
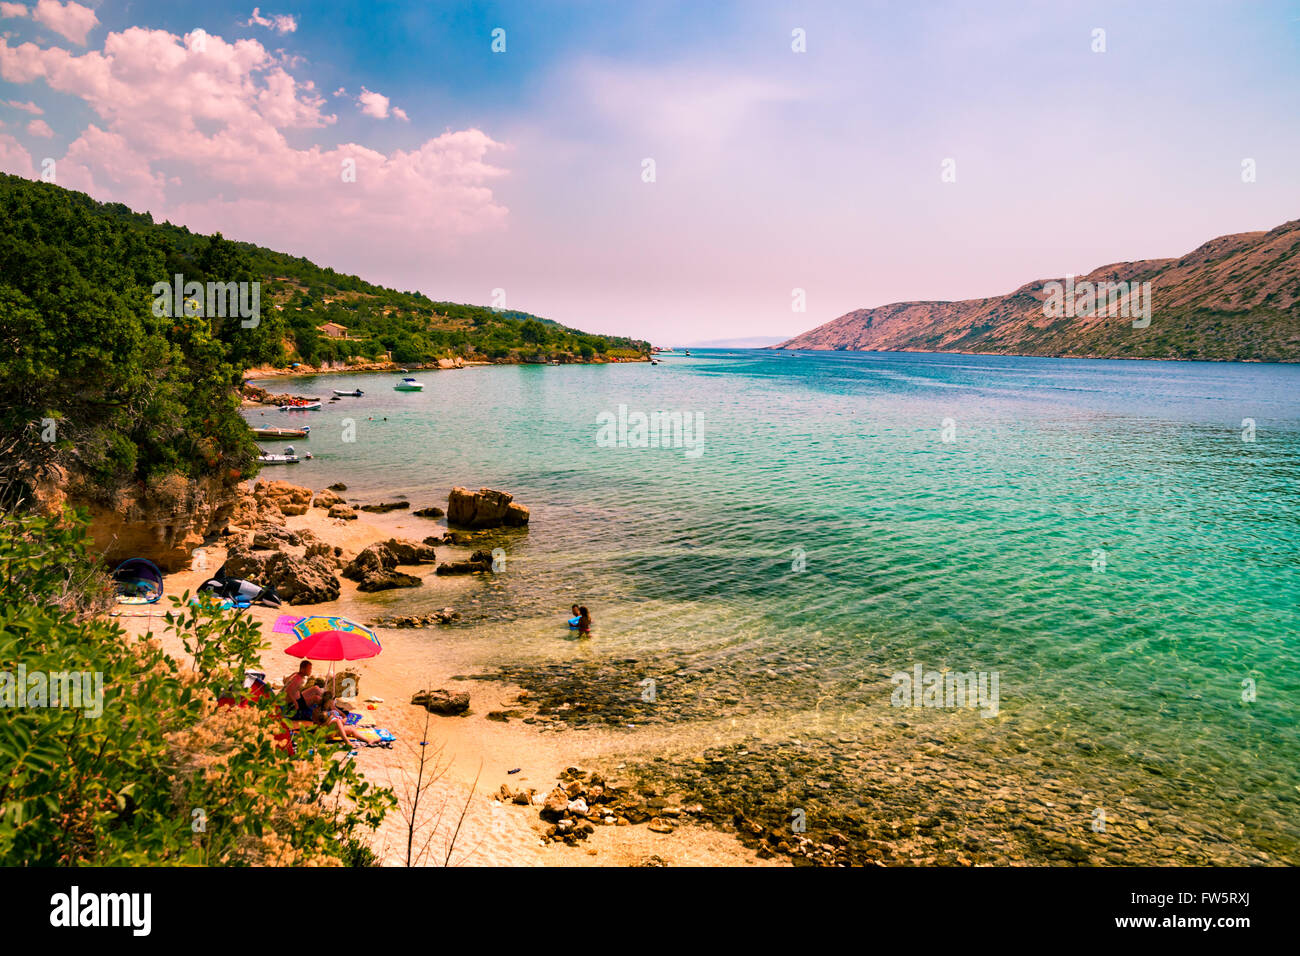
584 621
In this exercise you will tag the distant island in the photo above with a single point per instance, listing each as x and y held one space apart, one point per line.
1234 299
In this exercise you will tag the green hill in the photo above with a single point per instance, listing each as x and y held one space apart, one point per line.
95 382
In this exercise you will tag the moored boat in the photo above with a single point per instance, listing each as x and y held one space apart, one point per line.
280 434
301 407
355 393
409 385
268 459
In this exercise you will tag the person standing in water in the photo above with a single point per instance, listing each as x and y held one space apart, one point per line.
584 622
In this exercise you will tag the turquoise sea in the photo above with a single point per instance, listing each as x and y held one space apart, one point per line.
1119 541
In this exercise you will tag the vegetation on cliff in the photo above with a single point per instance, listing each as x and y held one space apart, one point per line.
150 770
94 383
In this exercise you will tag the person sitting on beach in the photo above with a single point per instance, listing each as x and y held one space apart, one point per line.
295 706
584 621
329 715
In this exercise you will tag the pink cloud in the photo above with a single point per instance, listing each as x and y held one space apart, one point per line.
14 159
28 107
13 10
69 20
199 136
39 127
280 22
377 105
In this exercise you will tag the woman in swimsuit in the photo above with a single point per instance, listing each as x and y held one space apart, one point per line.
328 715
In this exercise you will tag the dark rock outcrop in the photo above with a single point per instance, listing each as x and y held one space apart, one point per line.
485 508
298 580
408 552
385 507
442 701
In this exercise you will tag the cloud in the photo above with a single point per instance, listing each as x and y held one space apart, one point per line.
69 20
279 22
202 136
14 159
39 127
13 10
28 107
377 105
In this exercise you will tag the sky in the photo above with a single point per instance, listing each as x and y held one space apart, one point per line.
674 171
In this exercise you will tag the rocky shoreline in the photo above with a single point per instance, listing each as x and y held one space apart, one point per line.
304 569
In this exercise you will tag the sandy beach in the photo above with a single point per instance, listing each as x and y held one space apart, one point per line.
478 753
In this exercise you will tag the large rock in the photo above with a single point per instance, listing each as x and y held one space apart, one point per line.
288 498
442 701
556 805
298 580
409 552
485 508
387 580
374 570
270 537
375 558
342 511
326 499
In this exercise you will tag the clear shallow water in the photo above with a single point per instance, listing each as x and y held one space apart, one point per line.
971 554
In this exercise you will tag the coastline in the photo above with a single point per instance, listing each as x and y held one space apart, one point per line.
445 365
479 752
1105 358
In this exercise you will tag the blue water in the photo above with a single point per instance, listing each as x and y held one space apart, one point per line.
850 515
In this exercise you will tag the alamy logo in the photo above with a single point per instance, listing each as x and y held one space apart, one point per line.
102 909
655 430
1080 300
215 300
80 690
950 689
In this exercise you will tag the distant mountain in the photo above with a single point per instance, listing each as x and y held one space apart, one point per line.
1236 298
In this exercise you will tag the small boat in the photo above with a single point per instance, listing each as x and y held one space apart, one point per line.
289 458
355 393
280 434
304 407
409 385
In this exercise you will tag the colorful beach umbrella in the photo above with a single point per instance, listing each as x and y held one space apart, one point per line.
323 638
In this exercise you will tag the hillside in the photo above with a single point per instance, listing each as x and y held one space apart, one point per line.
111 394
409 325
1236 298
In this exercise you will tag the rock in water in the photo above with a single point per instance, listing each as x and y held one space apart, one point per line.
408 552
385 507
387 580
373 559
485 508
442 701
432 512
